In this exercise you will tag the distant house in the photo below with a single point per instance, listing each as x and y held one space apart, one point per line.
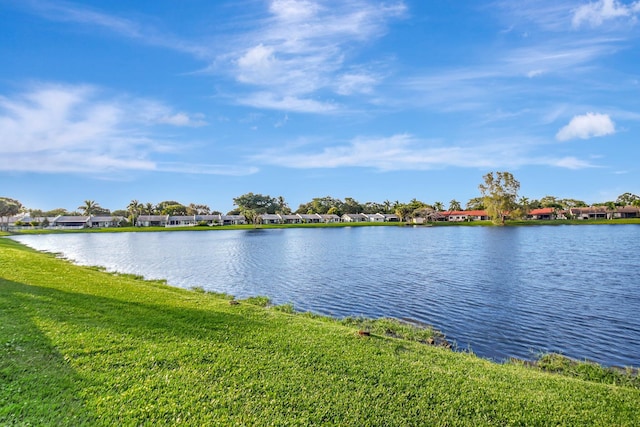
103 221
25 220
71 221
269 219
354 218
310 218
329 218
232 219
602 212
593 212
391 218
181 221
543 214
378 217
290 219
458 216
152 220
626 212
208 219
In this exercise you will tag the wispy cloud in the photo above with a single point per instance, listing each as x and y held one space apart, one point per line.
406 152
598 12
587 126
79 129
63 11
303 48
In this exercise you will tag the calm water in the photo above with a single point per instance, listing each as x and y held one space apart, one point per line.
500 292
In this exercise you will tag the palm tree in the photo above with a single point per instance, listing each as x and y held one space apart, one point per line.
525 206
89 207
611 208
402 211
134 208
438 206
454 205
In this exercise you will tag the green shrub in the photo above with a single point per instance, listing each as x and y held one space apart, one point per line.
285 308
260 301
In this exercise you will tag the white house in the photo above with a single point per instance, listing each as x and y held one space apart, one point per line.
354 218
310 218
378 217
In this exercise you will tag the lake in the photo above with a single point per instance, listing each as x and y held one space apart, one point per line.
498 291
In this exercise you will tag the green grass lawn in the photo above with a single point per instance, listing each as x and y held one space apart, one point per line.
79 346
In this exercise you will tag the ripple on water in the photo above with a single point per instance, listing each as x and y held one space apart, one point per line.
500 291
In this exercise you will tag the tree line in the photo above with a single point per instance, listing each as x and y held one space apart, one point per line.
498 197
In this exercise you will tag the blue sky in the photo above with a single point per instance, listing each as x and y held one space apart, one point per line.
200 101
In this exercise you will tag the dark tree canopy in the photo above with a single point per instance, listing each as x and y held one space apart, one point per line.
258 203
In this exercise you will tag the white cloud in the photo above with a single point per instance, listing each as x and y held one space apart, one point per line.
294 10
571 163
83 15
183 119
288 103
303 48
405 152
353 83
596 13
587 126
64 128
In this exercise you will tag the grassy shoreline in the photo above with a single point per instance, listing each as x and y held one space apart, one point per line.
84 347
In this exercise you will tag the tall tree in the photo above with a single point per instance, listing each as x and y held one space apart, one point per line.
524 207
476 204
403 211
149 209
351 206
438 206
8 208
261 204
454 205
250 216
134 208
176 209
627 199
198 209
499 193
283 206
89 207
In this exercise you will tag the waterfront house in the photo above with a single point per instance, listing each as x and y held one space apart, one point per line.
627 212
457 216
232 219
543 214
269 219
152 220
310 218
378 217
181 221
103 221
290 219
329 218
71 221
208 219
354 218
391 218
593 212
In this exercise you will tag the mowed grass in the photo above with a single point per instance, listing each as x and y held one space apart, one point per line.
79 346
